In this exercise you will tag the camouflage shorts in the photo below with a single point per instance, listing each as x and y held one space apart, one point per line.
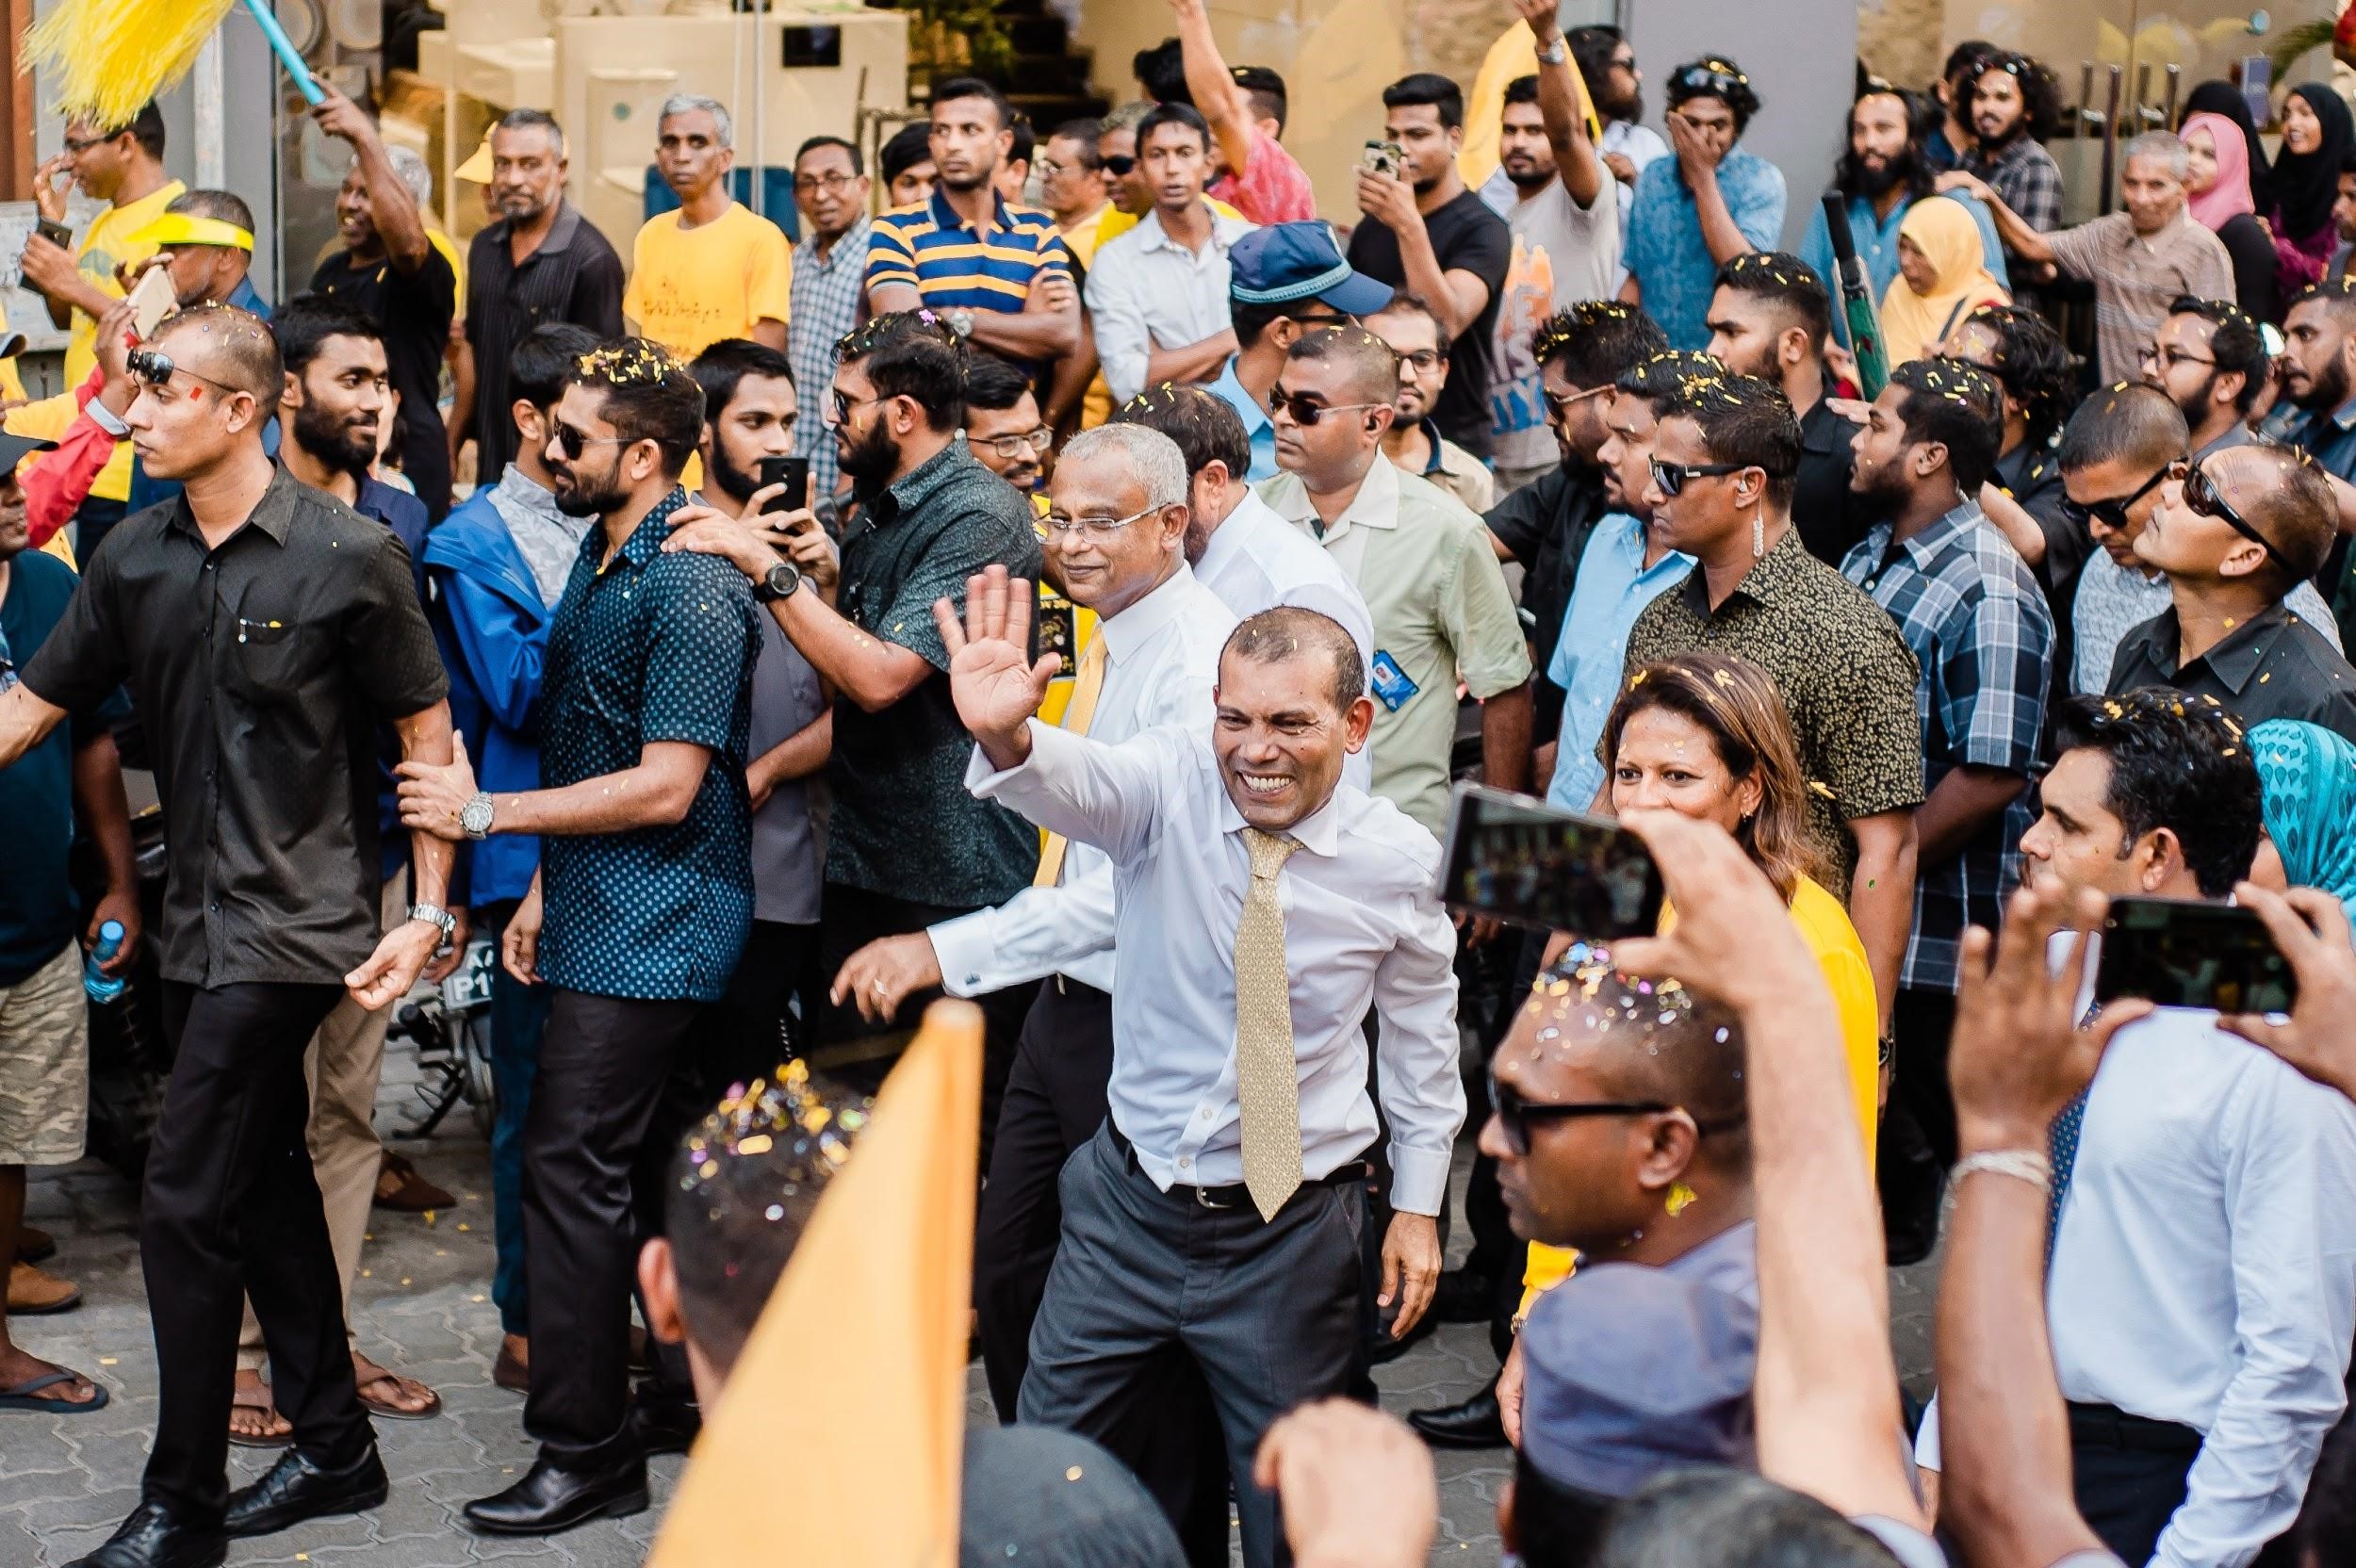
45 1064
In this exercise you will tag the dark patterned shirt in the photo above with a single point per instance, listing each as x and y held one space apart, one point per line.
1847 679
1978 624
2026 176
574 276
651 647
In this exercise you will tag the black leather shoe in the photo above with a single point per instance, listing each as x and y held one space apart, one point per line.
1464 1296
666 1426
549 1499
152 1537
296 1489
1477 1422
1387 1349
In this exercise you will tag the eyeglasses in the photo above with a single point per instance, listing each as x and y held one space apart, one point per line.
83 144
1673 477
1117 165
1041 441
844 405
1564 401
807 185
2169 358
151 368
2112 513
1303 411
1096 530
1424 361
1515 1113
573 442
1049 169
2201 497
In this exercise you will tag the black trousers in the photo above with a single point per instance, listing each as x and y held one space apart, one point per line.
748 1032
1917 1145
1055 1102
2129 1472
604 1064
1496 1251
231 1210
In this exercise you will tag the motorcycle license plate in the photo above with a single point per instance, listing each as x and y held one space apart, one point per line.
470 986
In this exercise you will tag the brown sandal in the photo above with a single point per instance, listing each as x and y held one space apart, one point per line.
366 1374
259 1398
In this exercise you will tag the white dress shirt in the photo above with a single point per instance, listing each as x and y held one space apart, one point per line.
2205 1272
1362 928
1146 291
1161 665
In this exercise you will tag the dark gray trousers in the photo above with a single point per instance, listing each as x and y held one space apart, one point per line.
1269 1312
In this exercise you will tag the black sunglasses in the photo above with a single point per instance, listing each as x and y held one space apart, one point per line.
1673 477
1303 411
154 367
2112 513
2201 497
1515 1113
574 442
1116 164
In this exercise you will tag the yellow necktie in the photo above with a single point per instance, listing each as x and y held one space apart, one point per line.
1267 1086
1084 690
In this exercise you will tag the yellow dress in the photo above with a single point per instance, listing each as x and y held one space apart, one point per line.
1825 928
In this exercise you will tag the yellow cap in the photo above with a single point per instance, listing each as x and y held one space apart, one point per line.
186 228
477 168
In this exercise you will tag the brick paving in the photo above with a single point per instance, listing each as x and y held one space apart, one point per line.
424 1309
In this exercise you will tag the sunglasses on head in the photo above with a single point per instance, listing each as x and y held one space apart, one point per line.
1303 411
1673 477
2112 513
2202 499
154 367
1717 83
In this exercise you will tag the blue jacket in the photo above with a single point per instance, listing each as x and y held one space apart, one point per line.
495 636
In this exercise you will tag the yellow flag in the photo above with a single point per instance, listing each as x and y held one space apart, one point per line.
840 1431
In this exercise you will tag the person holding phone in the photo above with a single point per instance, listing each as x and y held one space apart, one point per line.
2202 1229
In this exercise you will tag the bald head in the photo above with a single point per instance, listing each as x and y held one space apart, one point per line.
2130 425
1365 367
227 346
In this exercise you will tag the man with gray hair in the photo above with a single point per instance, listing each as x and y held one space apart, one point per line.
711 269
1116 543
2140 260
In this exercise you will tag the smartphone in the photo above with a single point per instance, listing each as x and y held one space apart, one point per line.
56 233
792 472
1536 865
152 299
1382 157
2179 953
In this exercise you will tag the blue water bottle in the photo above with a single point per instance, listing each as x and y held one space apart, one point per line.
102 987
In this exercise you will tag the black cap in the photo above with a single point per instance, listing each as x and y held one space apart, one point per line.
16 448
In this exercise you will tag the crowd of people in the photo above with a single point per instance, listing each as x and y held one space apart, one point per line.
1069 575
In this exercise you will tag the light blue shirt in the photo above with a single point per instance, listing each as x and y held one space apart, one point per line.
1255 421
1666 254
1877 247
1614 586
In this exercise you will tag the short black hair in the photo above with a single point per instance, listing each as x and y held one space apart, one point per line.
2032 364
1745 420
2237 344
994 384
1205 426
225 205
1592 49
1522 89
646 393
1266 90
723 367
911 355
541 363
909 146
2040 90
1161 71
1715 76
1428 86
1275 635
1661 377
2335 295
1958 405
305 322
1598 341
1730 1516
1404 304
1787 283
1083 131
859 162
2179 762
1173 114
1025 141
973 87
1964 61
2348 162
145 127
2125 422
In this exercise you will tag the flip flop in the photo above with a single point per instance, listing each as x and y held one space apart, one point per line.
282 1440
390 1412
25 1395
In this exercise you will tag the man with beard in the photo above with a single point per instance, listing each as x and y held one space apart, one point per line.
392 273
907 847
640 909
1946 145
998 274
1566 221
1881 174
2210 358
540 262
1976 619
1412 333
830 187
2015 107
1424 234
2317 372
1616 90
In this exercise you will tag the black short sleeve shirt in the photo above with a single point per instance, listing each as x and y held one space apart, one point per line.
260 670
1466 236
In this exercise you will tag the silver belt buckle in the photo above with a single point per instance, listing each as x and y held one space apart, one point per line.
1203 1197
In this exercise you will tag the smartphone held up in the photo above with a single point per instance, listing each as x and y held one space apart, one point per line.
792 472
2183 953
1536 865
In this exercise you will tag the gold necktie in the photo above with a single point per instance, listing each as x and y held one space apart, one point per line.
1268 1086
1084 690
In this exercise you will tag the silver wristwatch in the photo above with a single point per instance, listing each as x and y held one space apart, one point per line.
960 321
475 816
434 915
1555 53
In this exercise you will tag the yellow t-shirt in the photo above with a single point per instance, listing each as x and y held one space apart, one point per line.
106 246
457 260
1825 925
691 287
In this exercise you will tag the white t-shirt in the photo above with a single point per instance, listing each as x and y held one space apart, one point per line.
1562 253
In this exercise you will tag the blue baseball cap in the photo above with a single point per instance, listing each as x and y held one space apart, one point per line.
1286 262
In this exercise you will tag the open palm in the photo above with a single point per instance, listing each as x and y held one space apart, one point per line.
991 678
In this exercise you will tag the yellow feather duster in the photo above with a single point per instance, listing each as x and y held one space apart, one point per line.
109 58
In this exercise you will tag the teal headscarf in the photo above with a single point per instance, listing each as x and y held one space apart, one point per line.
2308 776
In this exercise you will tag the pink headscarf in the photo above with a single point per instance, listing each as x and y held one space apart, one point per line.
2229 195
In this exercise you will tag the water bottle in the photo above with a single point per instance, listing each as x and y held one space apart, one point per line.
102 987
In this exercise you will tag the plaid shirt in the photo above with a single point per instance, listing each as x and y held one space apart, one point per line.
2026 176
1979 624
826 295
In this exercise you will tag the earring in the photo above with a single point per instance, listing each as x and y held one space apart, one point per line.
1758 533
1681 1197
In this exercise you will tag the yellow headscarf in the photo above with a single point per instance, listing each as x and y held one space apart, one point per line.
1913 324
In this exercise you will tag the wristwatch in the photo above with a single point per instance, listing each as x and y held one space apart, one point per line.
434 914
960 321
1555 53
777 583
475 817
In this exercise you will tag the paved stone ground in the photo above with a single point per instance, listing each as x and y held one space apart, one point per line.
424 1308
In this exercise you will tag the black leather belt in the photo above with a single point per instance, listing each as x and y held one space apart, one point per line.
1237 1196
2109 1427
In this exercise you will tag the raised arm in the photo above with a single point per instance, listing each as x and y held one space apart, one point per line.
1563 103
391 204
1221 103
